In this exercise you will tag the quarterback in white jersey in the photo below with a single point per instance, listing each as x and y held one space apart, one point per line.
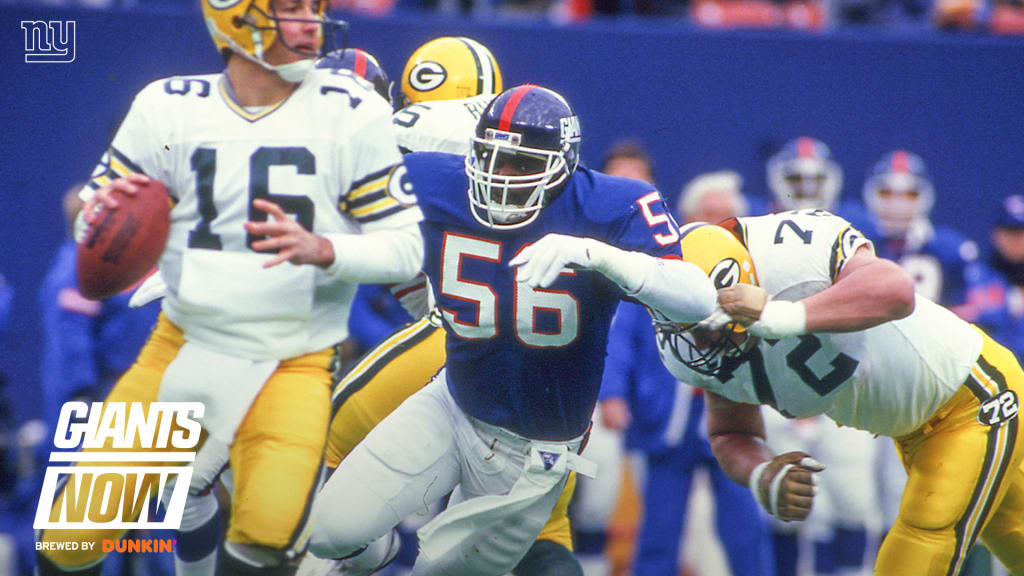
325 155
811 322
287 190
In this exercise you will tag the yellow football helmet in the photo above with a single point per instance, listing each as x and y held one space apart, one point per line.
250 27
448 68
718 251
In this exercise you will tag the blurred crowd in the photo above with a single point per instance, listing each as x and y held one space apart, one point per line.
981 16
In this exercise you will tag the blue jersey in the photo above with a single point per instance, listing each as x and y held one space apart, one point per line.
529 360
945 268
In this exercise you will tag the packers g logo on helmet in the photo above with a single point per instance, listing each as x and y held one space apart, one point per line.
449 68
426 76
720 254
726 273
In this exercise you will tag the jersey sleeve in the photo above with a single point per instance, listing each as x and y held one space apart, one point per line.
132 150
647 226
800 252
381 195
846 244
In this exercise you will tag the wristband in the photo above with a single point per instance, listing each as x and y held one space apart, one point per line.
781 319
755 482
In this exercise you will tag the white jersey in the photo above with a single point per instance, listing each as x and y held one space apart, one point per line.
887 380
325 154
441 126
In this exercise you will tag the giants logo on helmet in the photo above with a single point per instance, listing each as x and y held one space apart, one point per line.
427 75
571 128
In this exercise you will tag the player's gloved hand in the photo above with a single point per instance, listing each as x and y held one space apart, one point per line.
766 318
153 288
785 485
540 263
716 321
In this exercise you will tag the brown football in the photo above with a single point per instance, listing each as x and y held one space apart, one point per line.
123 245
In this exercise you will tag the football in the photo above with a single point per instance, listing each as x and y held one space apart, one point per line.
123 245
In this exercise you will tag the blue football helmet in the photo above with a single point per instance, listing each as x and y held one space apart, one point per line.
898 192
362 64
802 175
526 146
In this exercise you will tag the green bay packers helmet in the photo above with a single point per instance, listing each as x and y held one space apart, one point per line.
250 27
718 251
448 68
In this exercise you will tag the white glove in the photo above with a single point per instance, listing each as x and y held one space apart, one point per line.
540 263
718 319
154 288
785 485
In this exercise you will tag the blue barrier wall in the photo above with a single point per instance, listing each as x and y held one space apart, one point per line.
702 101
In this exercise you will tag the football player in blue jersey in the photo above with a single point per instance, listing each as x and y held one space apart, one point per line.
527 309
943 263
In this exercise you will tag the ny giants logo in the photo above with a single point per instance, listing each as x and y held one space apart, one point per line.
128 454
50 42
570 128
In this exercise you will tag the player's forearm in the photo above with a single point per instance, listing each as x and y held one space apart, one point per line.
382 256
677 289
739 453
876 292
736 433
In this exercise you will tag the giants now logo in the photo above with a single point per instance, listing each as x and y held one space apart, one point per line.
111 486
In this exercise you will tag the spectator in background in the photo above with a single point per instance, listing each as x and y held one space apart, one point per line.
664 422
87 344
1007 259
713 197
629 159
